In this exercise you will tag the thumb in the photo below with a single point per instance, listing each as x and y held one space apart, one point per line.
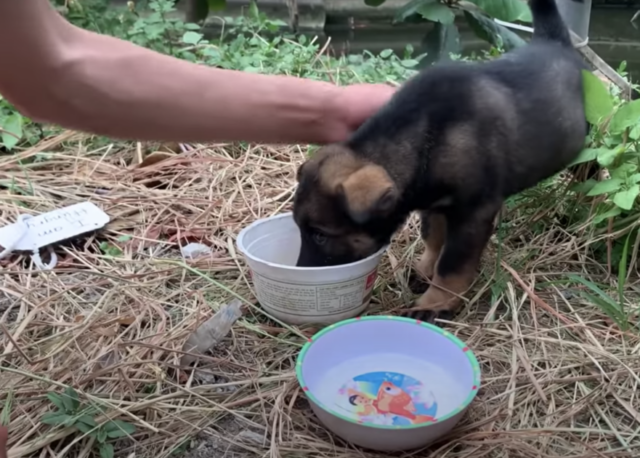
4 432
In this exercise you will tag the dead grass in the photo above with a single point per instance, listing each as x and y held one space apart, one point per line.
559 380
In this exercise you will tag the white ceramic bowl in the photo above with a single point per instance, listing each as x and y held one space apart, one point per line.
388 383
303 295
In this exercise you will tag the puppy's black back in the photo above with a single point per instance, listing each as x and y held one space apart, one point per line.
484 130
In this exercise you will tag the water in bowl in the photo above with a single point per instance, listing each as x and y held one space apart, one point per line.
390 389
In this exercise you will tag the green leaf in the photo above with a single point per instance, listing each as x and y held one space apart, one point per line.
70 420
8 401
626 116
106 451
102 435
436 12
192 38
611 213
11 130
374 2
597 100
440 42
586 155
584 186
493 32
70 399
625 199
606 186
253 10
124 238
386 53
603 298
623 171
56 418
611 309
56 400
83 428
606 156
505 10
119 428
87 420
622 272
409 63
217 5
410 9
635 178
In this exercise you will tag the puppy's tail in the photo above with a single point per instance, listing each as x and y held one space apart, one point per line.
547 22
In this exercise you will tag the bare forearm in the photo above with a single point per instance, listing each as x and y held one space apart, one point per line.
99 84
117 89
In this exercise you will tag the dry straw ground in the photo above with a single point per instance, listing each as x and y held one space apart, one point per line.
559 379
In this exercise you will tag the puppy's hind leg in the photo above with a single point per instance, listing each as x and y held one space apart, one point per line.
433 229
468 232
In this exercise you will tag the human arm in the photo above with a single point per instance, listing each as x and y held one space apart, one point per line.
94 83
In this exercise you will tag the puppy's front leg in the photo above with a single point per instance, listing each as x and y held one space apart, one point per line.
433 229
466 237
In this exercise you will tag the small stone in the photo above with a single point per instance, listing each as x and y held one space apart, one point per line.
193 250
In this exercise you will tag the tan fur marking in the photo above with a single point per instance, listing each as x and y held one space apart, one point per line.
337 166
365 187
433 244
363 183
441 299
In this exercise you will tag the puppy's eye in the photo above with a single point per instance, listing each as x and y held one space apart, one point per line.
319 238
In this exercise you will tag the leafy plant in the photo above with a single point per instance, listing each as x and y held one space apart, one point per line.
614 309
16 129
11 125
114 250
149 24
479 14
256 43
110 250
251 42
615 145
72 413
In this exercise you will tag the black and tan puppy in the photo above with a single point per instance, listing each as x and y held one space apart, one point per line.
453 143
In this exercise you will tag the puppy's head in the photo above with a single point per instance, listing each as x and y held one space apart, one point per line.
342 207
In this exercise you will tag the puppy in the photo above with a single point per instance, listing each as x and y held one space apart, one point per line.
453 143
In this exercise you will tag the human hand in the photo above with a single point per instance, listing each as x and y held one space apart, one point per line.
354 104
4 432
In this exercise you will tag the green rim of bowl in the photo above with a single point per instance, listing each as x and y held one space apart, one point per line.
459 343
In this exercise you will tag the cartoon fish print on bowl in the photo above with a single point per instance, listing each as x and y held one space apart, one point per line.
394 400
386 398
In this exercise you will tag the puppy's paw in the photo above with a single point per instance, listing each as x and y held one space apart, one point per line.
430 316
417 283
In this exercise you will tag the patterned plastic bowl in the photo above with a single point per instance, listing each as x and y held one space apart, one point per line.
388 383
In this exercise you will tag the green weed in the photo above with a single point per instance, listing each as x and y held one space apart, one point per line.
71 413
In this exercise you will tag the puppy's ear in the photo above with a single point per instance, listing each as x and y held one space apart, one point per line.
300 171
306 169
368 192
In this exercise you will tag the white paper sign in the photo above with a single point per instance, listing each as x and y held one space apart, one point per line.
54 226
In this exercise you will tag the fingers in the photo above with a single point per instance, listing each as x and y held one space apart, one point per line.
4 433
